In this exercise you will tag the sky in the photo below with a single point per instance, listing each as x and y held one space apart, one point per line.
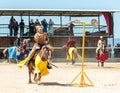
68 4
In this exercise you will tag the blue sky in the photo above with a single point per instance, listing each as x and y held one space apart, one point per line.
62 4
67 4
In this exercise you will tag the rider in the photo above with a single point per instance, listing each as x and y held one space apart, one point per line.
70 46
100 44
40 39
70 43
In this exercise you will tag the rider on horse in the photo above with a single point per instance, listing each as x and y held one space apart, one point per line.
40 39
101 44
101 52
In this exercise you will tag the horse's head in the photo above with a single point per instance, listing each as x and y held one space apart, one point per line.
45 52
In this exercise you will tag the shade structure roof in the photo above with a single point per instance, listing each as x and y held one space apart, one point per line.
52 12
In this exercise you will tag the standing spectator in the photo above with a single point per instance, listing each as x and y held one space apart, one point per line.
109 50
15 26
71 29
45 25
37 23
31 27
22 25
51 23
10 26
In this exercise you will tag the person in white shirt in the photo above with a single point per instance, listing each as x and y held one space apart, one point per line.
100 44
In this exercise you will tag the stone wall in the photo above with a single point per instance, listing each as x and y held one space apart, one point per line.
58 42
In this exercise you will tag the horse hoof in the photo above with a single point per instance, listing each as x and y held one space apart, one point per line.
30 82
73 62
38 82
35 80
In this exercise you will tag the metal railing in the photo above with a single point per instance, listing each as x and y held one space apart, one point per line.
5 31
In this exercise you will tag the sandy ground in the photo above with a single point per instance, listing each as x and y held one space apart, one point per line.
105 80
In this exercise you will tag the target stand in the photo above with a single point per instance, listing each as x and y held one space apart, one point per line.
82 76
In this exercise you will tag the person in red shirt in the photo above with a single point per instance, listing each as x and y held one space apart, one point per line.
70 48
71 42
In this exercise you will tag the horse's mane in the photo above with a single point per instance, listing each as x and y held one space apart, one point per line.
44 52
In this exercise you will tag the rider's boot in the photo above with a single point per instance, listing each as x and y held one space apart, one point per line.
97 55
49 66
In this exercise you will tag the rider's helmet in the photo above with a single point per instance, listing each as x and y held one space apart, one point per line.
101 37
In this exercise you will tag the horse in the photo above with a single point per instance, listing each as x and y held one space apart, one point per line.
71 54
43 55
11 53
102 56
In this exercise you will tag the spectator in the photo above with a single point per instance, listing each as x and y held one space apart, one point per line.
109 50
37 23
31 27
51 23
22 25
71 29
15 26
45 25
11 24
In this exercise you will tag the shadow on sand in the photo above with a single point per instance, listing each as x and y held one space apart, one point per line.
54 84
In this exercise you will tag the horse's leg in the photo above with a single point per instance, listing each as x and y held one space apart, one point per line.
29 71
67 54
9 60
102 64
30 77
37 78
73 57
98 64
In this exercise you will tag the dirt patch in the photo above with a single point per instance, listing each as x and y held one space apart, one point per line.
105 80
